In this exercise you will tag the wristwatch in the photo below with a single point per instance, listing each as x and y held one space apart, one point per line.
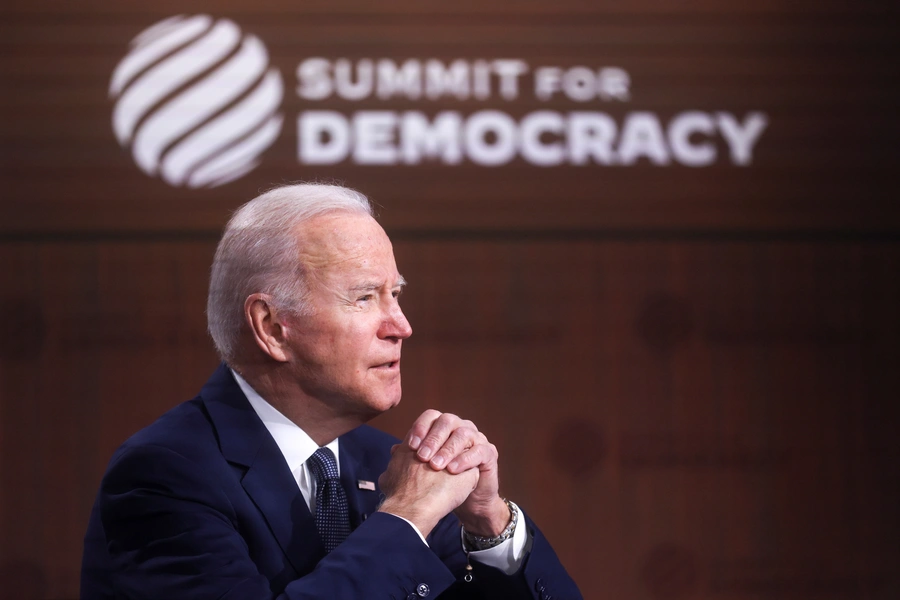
479 542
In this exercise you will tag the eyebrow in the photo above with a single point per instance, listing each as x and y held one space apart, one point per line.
369 286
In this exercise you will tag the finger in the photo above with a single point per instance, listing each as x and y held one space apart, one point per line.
483 456
475 474
461 439
420 428
385 484
440 431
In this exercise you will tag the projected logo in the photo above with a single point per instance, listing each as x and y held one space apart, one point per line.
196 101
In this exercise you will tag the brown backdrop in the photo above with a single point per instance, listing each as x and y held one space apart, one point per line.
691 374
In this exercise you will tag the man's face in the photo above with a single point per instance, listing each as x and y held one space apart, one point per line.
346 352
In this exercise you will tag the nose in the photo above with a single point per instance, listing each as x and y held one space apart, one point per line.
395 324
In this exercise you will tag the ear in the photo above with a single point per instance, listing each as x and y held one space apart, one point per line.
266 327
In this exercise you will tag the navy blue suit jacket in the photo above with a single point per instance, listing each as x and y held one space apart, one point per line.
201 504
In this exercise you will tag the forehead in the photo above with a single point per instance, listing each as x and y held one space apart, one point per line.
344 242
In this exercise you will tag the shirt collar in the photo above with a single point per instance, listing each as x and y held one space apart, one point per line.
294 443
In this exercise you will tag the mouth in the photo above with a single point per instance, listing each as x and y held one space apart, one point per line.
392 364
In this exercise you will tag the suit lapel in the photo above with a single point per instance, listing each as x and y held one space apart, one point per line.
286 512
355 468
246 443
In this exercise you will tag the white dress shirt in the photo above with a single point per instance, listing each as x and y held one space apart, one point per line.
297 447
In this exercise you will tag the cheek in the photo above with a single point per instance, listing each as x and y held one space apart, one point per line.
346 344
347 352
356 340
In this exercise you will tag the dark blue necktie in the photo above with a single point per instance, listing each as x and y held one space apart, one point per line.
332 518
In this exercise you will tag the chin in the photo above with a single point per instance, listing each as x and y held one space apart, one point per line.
388 402
372 407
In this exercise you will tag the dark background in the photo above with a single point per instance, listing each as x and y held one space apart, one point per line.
691 374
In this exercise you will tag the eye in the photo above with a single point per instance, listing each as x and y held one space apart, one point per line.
396 293
365 298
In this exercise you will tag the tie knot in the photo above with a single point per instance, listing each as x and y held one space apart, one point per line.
323 465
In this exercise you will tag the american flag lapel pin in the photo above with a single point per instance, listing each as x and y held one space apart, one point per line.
366 485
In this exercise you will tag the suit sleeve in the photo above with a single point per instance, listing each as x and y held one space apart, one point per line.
171 532
542 576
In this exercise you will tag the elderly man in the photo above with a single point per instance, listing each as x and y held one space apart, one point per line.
269 483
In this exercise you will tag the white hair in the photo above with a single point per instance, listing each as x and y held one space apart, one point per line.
259 253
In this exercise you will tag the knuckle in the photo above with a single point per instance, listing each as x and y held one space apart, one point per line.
456 438
432 440
466 434
484 454
428 416
454 444
446 453
448 420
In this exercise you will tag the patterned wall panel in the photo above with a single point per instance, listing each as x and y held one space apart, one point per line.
690 371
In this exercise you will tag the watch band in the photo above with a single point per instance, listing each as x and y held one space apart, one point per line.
479 542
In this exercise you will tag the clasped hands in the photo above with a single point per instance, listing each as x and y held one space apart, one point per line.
443 465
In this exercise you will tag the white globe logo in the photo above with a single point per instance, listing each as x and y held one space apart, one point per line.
195 101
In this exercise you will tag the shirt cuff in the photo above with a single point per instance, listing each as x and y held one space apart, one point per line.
507 556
